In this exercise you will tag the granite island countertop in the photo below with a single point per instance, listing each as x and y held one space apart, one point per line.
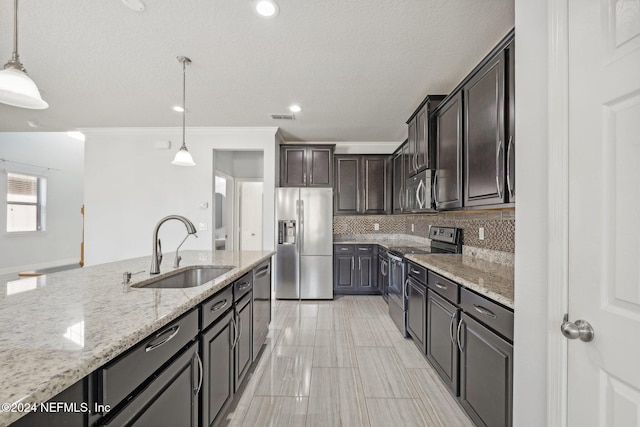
60 327
495 281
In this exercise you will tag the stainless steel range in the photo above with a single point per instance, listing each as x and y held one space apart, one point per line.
444 240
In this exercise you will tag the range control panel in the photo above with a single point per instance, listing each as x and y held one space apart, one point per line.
444 234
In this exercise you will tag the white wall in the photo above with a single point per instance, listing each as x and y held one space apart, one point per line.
60 244
130 185
530 388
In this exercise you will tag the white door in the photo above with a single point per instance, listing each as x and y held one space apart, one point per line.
604 211
251 216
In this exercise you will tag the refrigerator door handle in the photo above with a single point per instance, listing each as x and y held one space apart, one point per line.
301 226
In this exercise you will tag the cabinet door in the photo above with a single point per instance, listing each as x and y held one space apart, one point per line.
449 146
442 351
293 170
398 182
484 136
320 167
412 132
347 185
261 305
344 273
367 273
375 190
417 312
171 399
243 356
422 156
511 123
217 357
486 374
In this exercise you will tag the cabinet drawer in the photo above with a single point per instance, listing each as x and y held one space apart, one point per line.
417 271
242 286
123 375
443 286
365 249
344 249
488 312
215 307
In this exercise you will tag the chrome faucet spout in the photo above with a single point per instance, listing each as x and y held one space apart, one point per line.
156 254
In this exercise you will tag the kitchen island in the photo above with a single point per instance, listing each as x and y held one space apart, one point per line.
59 328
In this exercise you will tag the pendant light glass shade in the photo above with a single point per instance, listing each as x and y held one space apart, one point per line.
183 157
16 88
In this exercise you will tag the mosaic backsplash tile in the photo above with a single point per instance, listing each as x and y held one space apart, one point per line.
499 226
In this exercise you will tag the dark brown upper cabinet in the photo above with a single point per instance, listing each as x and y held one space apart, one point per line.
306 165
511 123
485 146
361 185
421 150
448 177
399 179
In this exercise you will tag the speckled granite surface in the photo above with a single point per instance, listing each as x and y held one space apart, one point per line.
493 280
58 328
386 240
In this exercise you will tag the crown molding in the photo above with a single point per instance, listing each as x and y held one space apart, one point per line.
178 130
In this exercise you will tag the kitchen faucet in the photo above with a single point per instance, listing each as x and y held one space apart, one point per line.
156 254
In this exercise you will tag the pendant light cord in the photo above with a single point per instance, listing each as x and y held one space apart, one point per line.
15 29
184 105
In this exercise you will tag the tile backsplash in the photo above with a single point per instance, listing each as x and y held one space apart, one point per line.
499 226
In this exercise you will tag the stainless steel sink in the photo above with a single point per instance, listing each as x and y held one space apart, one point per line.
189 278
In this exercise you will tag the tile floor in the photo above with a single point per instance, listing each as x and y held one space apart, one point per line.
341 363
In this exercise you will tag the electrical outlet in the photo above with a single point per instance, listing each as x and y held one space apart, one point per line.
481 233
376 226
413 227
204 226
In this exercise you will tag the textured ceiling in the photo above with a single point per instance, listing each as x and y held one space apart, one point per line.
358 68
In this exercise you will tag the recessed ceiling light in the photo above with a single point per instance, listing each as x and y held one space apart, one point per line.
266 8
178 108
136 5
295 108
33 124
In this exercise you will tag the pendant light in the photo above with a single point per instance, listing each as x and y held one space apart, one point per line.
16 88
183 157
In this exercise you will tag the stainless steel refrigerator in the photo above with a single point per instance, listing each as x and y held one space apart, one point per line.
304 243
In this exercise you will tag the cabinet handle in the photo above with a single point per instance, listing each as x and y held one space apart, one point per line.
418 188
197 390
458 336
509 187
353 264
233 325
485 311
263 272
172 333
414 271
384 268
415 161
498 169
219 305
406 289
439 286
451 327
344 249
359 263
364 249
243 286
304 178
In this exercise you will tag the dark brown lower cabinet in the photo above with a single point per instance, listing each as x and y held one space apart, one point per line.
170 399
442 351
217 358
243 355
355 269
417 312
486 374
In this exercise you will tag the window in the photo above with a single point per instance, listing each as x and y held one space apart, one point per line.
26 202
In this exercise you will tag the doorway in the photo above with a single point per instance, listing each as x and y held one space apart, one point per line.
238 200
